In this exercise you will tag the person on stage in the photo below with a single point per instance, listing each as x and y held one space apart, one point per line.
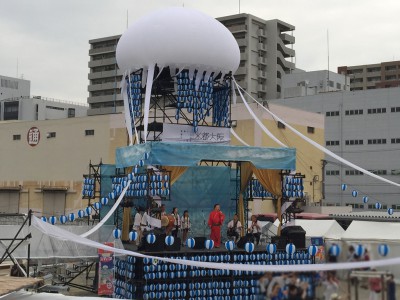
234 228
137 224
254 230
177 222
185 223
215 221
163 212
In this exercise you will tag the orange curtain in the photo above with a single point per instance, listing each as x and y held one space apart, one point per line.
125 224
176 172
271 181
246 173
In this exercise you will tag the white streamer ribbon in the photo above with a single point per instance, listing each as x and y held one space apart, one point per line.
128 122
149 86
238 137
62 234
256 118
109 214
323 149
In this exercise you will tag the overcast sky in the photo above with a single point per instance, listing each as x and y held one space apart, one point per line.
49 38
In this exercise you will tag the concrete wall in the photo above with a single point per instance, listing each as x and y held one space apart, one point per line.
14 87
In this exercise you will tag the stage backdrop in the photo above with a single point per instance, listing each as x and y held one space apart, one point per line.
197 190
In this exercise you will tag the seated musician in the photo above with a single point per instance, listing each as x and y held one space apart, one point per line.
234 228
254 230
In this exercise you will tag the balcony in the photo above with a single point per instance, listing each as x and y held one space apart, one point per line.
261 32
261 60
242 42
286 65
261 88
104 98
287 52
262 74
102 62
102 50
287 38
238 28
104 74
241 71
103 86
261 47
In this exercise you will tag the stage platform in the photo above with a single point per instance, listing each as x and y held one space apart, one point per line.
12 284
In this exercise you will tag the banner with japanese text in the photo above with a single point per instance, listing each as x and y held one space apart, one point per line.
204 134
106 271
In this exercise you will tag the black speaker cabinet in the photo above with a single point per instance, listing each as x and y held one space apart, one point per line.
176 246
158 246
279 241
199 242
295 235
243 240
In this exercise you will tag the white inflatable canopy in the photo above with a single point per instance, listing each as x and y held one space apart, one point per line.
181 38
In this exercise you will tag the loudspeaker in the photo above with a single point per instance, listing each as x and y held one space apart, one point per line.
279 241
295 235
158 246
243 240
199 242
176 246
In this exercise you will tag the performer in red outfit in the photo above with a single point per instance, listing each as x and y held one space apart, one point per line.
215 221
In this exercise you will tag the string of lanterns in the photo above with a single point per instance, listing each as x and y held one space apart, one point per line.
359 250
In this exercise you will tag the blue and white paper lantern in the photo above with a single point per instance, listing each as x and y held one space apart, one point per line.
44 219
88 210
146 155
104 201
365 199
63 219
141 163
378 205
81 213
344 187
249 247
354 193
169 240
290 248
359 250
390 211
117 233
312 250
209 244
53 220
97 205
151 238
383 249
334 250
71 217
133 235
229 245
190 242
271 248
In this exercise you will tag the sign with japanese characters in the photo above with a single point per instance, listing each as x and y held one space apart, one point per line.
106 271
204 134
33 136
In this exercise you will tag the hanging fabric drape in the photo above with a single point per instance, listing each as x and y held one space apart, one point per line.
125 223
238 137
176 172
246 173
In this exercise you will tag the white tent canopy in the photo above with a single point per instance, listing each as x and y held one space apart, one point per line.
372 231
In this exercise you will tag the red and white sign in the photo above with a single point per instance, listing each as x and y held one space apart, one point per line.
33 136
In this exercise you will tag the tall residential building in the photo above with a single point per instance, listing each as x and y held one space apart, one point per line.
104 77
362 127
266 53
374 76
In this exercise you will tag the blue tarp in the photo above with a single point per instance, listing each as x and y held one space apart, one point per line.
189 155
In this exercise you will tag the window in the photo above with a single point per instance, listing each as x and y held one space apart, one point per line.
310 129
330 83
71 112
376 141
54 107
338 86
332 113
51 135
11 110
354 112
16 137
390 68
332 143
395 109
353 172
390 77
354 142
281 125
376 110
89 132
332 172
378 172
395 141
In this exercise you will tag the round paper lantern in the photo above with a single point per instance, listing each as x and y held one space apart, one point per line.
209 244
133 235
44 219
312 250
151 238
354 193
229 245
169 240
290 248
359 250
249 247
141 163
365 199
97 205
71 217
88 210
81 213
53 220
117 233
344 187
383 249
190 242
146 155
63 219
378 205
334 250
104 201
390 211
111 195
271 248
